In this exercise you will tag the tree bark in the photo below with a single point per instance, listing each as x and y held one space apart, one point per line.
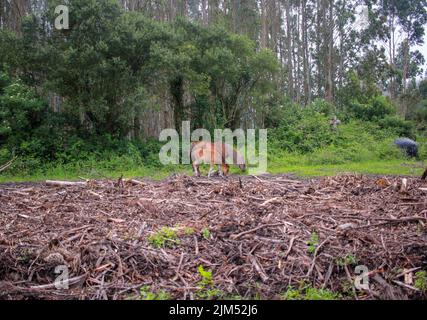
289 50
329 96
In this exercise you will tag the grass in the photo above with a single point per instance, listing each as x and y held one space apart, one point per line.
309 293
164 237
147 294
386 167
313 243
298 166
421 281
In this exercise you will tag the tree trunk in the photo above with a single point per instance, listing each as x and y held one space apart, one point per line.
289 50
306 71
405 63
264 27
329 96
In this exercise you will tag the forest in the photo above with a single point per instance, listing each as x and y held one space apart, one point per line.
91 100
88 211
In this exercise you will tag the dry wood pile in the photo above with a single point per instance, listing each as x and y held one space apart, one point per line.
258 236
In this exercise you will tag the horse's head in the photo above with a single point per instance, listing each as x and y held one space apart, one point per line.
242 166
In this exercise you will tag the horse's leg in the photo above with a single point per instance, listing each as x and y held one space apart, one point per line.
211 170
220 172
224 169
196 170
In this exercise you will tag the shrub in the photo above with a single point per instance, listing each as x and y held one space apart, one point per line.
397 126
378 108
304 132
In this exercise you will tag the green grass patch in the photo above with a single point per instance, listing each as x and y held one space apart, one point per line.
378 167
421 281
165 237
286 165
309 293
146 294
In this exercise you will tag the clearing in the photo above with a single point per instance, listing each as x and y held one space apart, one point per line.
255 237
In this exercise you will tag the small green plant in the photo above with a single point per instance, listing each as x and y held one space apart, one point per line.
320 294
146 294
163 238
207 289
309 293
206 277
291 294
189 231
348 260
206 233
347 288
421 281
313 243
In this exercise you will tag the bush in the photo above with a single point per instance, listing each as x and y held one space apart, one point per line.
322 106
304 131
397 126
21 112
378 108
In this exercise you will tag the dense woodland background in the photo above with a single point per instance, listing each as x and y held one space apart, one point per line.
97 94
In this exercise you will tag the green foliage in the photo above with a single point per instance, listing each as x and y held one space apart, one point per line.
376 109
397 126
206 277
21 112
163 238
292 294
306 292
421 281
206 233
147 294
207 289
320 294
302 130
419 114
189 231
313 243
355 91
113 67
347 260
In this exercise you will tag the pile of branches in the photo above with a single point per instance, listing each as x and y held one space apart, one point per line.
259 236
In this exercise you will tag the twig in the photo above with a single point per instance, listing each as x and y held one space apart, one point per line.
258 268
397 221
237 236
406 285
71 281
291 244
315 257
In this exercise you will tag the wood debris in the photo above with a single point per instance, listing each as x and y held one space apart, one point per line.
253 233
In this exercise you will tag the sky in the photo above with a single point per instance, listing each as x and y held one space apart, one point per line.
362 21
423 49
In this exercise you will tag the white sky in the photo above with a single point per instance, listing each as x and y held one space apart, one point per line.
423 50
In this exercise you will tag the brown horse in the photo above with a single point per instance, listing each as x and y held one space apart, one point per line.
215 154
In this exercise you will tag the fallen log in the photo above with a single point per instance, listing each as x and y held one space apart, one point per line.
7 165
64 183
134 182
404 186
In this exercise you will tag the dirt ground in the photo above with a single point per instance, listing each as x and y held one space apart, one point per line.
258 235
